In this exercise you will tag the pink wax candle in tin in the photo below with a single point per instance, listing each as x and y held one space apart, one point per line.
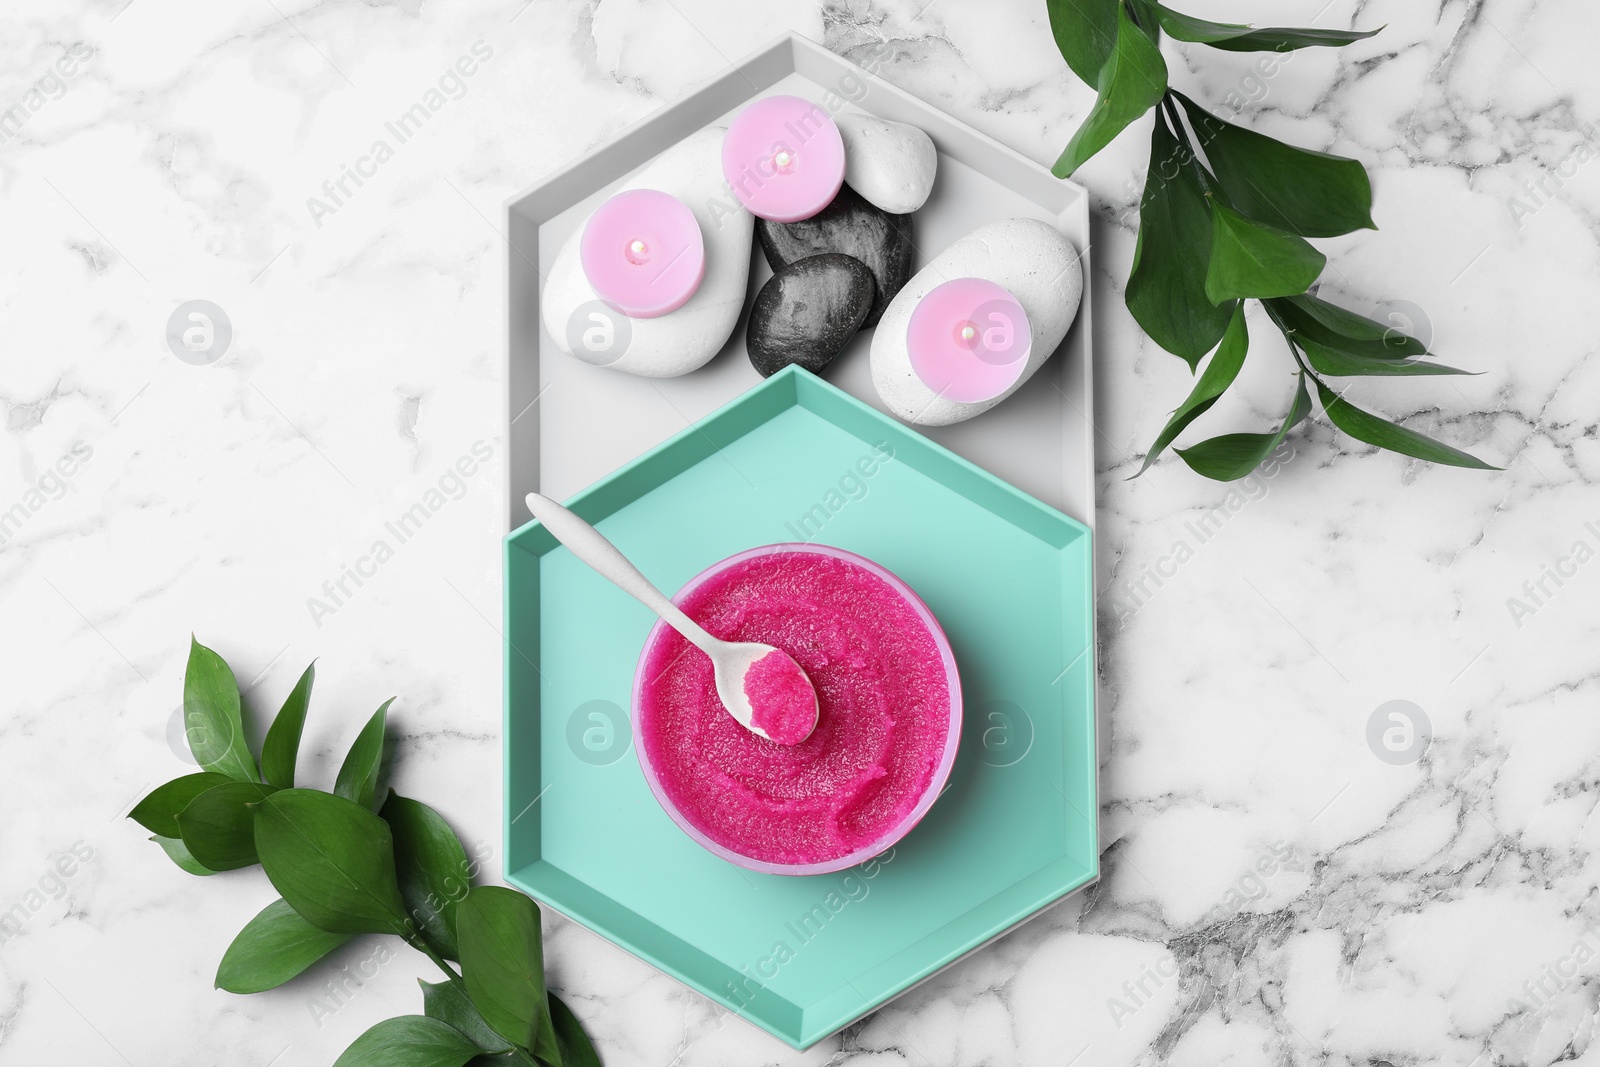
783 158
969 340
643 253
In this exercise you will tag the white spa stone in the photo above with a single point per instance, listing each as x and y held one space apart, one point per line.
1033 260
682 340
890 164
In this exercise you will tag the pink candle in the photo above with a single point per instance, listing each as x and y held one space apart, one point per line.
969 340
643 253
783 158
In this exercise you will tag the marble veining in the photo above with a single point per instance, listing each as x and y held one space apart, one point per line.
1280 885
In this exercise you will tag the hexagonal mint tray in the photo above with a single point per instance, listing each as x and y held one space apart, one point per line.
1010 580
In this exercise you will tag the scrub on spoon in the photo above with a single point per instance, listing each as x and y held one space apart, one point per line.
765 690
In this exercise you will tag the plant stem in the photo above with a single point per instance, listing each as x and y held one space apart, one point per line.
1176 121
522 1054
439 961
1294 352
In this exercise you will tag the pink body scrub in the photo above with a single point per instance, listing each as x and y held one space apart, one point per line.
882 685
782 703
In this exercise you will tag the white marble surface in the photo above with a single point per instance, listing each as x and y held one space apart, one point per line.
1435 912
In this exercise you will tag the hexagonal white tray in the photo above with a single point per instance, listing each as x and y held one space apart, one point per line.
570 424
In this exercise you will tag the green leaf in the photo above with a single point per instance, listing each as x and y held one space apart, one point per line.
1312 194
218 825
211 718
332 860
502 961
358 777
281 749
1250 259
272 948
1219 374
1167 285
1085 32
1236 37
175 850
409 1041
1235 455
1364 426
546 1046
576 1050
432 867
1333 353
158 812
1337 327
1326 359
445 1001
1131 82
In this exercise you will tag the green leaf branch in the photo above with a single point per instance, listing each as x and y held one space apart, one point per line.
1226 217
343 870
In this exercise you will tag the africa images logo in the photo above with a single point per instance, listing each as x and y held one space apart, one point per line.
452 485
450 86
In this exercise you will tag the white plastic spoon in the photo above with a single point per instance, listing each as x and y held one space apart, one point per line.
730 660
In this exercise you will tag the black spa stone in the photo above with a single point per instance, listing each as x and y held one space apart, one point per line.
807 312
854 227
